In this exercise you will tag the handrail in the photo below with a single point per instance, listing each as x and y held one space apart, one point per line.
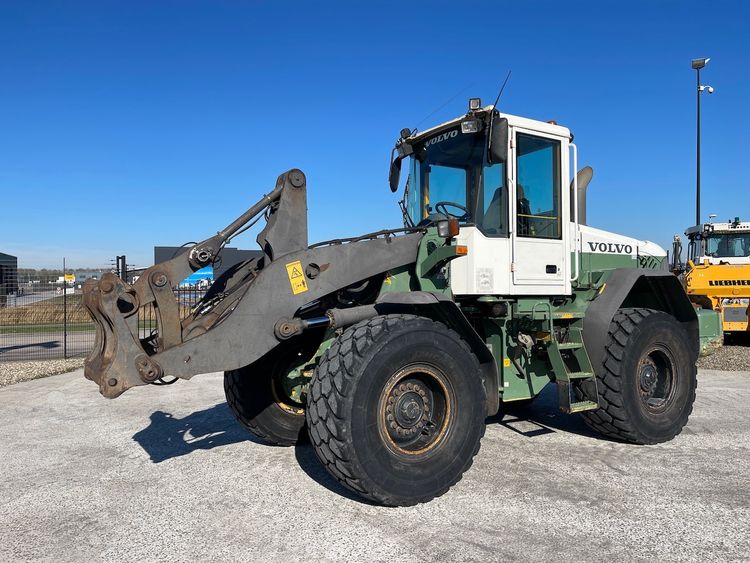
575 213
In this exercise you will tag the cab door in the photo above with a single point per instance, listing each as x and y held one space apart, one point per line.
541 261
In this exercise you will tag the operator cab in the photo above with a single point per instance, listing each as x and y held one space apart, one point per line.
502 177
720 243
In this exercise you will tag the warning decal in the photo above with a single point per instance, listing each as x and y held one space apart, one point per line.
296 277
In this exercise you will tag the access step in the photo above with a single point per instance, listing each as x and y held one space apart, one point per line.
580 375
577 389
582 406
569 345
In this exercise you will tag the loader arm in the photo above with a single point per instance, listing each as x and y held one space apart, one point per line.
247 312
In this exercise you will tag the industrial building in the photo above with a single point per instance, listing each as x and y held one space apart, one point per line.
8 277
228 257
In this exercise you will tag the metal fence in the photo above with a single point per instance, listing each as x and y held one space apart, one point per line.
187 296
41 321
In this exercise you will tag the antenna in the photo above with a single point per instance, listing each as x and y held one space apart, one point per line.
453 97
500 93
494 110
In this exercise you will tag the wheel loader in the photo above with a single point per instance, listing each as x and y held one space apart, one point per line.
717 273
390 349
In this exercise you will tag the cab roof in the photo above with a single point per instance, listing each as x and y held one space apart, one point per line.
513 120
720 228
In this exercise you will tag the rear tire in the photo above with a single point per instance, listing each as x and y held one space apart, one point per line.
648 380
258 404
396 409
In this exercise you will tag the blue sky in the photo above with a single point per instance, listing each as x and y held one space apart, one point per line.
132 124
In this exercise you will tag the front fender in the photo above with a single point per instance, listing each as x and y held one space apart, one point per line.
441 307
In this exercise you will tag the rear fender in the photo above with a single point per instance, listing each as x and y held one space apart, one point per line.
637 287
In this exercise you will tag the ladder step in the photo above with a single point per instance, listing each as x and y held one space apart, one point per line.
569 345
580 375
583 406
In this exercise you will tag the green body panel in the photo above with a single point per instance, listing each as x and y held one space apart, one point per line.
433 258
593 264
397 281
514 385
710 330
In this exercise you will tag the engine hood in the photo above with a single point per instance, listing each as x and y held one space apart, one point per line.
598 241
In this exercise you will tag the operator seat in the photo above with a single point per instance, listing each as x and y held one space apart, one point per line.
495 214
523 208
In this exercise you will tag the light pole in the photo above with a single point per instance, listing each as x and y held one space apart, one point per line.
698 64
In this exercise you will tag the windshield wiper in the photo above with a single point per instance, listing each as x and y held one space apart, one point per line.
402 204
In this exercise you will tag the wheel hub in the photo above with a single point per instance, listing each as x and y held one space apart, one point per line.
656 380
649 377
407 409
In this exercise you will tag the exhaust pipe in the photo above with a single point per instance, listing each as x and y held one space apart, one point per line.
584 176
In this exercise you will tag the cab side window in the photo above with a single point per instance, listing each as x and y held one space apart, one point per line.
493 214
538 189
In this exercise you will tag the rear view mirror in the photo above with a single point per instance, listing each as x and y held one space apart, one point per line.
497 148
394 174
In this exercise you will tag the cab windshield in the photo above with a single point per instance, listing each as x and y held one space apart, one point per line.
728 245
449 174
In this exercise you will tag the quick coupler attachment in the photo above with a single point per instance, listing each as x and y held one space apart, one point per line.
118 360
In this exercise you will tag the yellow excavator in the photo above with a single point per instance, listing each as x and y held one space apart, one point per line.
717 272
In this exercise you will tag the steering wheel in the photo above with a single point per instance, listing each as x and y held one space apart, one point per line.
441 206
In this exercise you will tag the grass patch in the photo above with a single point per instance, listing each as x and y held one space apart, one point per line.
47 312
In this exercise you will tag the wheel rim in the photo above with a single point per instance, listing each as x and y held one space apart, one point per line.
656 379
289 385
415 410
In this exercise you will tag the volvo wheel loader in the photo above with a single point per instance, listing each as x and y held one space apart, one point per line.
391 349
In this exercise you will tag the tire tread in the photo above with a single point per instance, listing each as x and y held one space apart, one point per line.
611 419
327 402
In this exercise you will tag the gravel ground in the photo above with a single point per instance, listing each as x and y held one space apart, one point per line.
728 358
168 475
15 372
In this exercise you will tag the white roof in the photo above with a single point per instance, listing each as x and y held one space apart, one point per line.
721 228
513 120
729 228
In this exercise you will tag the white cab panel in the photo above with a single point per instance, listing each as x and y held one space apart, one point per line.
485 270
540 262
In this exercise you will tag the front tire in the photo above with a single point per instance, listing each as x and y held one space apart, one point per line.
257 397
396 409
648 380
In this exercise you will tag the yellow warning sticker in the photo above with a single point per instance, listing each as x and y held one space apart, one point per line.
506 362
296 277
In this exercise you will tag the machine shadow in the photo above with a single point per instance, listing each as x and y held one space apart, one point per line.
49 345
168 437
542 416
